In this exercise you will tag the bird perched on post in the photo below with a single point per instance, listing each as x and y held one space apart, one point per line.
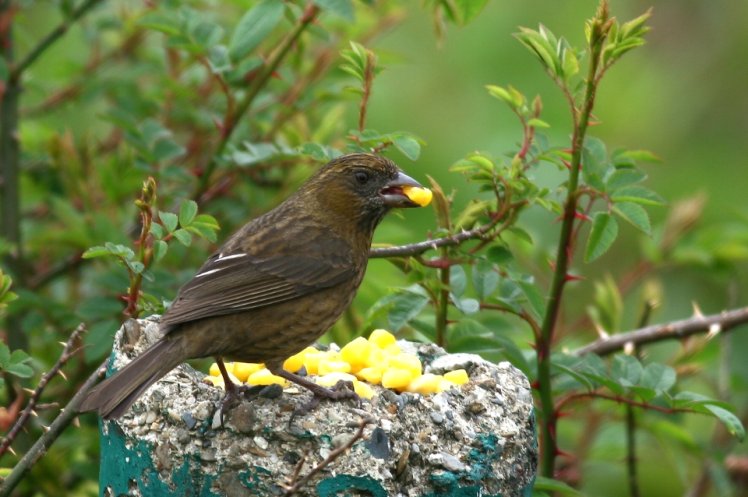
277 284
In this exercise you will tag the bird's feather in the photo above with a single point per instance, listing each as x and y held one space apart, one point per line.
235 282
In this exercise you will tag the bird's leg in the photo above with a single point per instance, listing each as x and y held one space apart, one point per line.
227 383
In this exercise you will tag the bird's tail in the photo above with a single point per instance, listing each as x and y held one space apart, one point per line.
113 396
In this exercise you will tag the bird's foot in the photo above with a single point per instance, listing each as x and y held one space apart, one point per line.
237 393
342 390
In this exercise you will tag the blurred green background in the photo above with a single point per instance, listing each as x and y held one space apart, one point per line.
683 96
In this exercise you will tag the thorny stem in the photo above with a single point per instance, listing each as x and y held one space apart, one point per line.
565 250
631 465
443 302
68 352
232 120
61 422
713 323
145 250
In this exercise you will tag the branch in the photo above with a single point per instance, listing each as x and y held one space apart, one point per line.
230 124
66 416
620 400
714 323
297 484
51 38
448 241
30 410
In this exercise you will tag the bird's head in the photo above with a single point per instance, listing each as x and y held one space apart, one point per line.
363 187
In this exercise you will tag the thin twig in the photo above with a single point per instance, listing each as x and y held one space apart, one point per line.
51 38
563 401
266 72
61 422
298 484
418 248
722 322
68 352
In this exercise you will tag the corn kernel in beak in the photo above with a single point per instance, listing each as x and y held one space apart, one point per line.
420 196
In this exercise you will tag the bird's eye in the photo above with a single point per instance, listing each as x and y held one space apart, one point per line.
362 177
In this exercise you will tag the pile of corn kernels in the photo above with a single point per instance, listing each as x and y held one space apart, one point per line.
377 360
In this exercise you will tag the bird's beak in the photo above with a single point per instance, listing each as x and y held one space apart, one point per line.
404 191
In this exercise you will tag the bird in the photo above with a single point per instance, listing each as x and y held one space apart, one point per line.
276 285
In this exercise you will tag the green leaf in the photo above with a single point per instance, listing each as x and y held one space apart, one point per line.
569 63
408 145
603 234
342 8
623 177
467 305
538 43
485 279
406 305
638 195
538 123
218 58
626 369
594 162
160 248
467 10
20 370
254 27
97 251
658 377
169 220
187 212
457 280
4 355
183 236
731 422
4 72
543 483
512 97
634 214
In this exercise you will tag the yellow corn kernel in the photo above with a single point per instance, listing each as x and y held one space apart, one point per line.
265 377
332 379
392 349
382 338
377 358
242 370
409 362
426 384
332 366
311 361
397 379
356 353
420 196
371 374
214 371
458 377
294 363
363 390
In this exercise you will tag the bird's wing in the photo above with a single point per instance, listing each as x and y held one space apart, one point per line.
235 282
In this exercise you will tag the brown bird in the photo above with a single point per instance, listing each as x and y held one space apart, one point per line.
276 285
